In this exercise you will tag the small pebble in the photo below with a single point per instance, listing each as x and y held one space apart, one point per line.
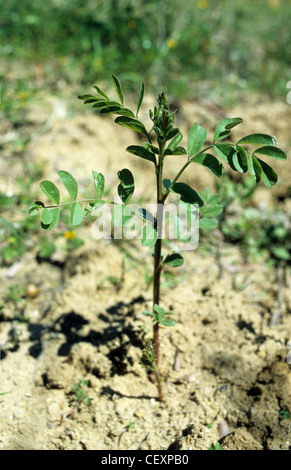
31 291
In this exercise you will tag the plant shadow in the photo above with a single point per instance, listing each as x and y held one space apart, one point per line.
70 326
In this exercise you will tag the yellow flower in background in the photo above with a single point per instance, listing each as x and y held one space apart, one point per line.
171 43
203 4
69 235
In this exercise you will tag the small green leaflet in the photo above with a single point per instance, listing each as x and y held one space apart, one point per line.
101 92
255 169
207 223
270 177
131 123
273 152
55 214
224 126
112 108
235 156
102 104
258 139
35 208
239 159
281 252
46 217
87 96
159 316
209 161
76 214
225 152
173 145
69 182
141 152
167 322
196 139
187 193
212 210
126 186
172 132
118 88
174 260
140 98
51 191
99 182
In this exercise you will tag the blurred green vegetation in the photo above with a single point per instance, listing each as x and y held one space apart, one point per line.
203 47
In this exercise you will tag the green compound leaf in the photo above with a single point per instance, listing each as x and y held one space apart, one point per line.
258 139
270 177
224 127
69 182
46 217
99 183
255 169
76 214
209 161
131 123
55 213
118 88
126 186
196 139
141 152
51 191
174 260
149 235
140 97
273 152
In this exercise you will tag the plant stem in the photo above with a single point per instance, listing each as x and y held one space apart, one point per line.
157 263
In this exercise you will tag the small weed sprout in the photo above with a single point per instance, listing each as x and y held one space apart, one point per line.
285 414
216 446
162 141
80 392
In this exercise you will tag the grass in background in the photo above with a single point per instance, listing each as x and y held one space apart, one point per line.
218 50
203 47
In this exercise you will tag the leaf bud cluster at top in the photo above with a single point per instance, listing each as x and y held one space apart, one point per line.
162 118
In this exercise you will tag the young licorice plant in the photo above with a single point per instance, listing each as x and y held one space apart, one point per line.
161 142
